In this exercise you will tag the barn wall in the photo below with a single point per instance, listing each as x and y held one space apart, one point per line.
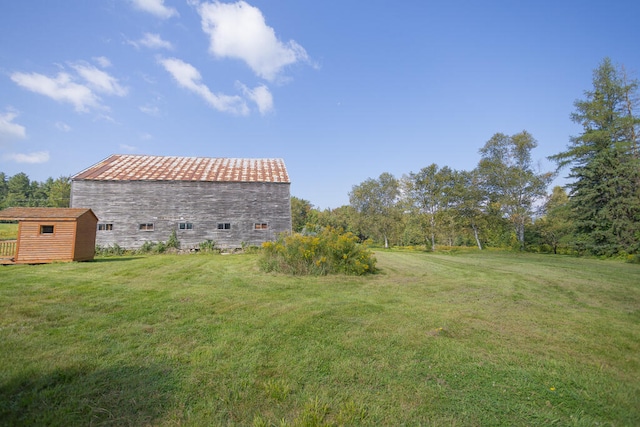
165 204
35 247
85 238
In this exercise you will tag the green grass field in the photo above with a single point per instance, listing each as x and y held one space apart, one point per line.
8 231
469 339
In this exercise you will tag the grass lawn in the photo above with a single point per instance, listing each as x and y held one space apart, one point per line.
8 231
477 339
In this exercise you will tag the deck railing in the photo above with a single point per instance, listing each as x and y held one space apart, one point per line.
8 248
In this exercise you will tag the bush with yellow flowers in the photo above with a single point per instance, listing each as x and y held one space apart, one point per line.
326 251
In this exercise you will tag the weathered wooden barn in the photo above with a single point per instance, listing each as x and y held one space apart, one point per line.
139 198
50 235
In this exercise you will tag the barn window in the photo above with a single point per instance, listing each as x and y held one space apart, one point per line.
46 229
185 226
146 227
260 226
224 226
105 227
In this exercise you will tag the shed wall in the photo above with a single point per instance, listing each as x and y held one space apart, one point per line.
36 247
204 205
85 238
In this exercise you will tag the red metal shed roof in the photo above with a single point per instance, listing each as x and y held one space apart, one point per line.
119 167
19 214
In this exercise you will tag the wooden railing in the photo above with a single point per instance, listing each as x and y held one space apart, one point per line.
8 248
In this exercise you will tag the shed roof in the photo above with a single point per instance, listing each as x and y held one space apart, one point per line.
124 167
20 214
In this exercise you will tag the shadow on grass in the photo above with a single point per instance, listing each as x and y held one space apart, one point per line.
124 395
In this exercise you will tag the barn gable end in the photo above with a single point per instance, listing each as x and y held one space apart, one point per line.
233 202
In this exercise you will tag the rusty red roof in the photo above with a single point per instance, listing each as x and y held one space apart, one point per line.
129 167
19 213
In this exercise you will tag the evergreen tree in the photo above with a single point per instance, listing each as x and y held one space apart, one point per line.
18 190
604 165
4 189
59 192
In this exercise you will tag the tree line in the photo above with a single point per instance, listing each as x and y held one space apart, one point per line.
504 201
19 190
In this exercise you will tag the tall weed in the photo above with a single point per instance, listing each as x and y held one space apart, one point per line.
327 252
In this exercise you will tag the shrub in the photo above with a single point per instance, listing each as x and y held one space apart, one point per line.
173 241
152 248
160 247
327 251
249 249
208 246
147 247
114 250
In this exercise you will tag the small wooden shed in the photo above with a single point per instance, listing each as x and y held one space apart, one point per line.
50 234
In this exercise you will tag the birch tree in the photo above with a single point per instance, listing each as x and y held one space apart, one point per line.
375 200
507 175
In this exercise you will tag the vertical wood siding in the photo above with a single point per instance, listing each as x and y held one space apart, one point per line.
165 204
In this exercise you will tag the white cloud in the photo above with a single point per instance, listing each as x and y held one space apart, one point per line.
188 77
151 110
261 96
98 80
153 41
61 126
238 30
102 61
9 129
65 87
128 148
32 158
61 88
155 7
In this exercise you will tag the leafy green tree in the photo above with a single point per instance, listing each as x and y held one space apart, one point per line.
59 192
341 218
605 166
375 200
498 231
300 213
468 200
508 176
429 194
555 227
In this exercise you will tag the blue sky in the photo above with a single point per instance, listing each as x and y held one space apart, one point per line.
341 90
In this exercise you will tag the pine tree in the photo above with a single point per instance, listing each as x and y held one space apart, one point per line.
605 167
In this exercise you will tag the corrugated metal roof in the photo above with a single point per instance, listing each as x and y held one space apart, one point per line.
124 167
18 214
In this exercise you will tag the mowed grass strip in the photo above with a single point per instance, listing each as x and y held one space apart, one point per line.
479 338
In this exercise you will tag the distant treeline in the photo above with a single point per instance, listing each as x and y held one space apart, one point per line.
504 201
19 190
